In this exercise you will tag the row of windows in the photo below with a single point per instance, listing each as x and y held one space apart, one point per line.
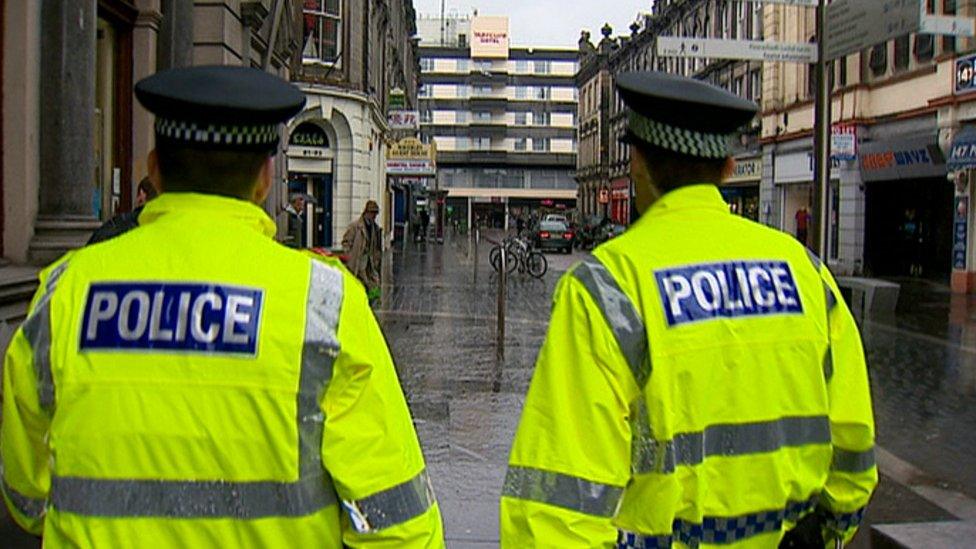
534 93
505 178
538 118
519 66
522 144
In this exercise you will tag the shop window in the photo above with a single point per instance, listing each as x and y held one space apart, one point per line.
878 60
323 30
924 48
902 52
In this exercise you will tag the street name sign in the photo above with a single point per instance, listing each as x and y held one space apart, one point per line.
757 50
855 25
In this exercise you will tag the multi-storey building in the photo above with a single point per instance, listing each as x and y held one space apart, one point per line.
503 119
739 20
593 159
354 53
888 185
74 138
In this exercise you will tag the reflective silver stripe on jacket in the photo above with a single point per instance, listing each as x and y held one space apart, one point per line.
37 331
33 508
568 492
847 461
620 314
189 499
393 506
732 440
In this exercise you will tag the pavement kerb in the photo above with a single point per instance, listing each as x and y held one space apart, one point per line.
916 480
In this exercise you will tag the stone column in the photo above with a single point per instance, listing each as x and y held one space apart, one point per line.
144 56
67 159
175 34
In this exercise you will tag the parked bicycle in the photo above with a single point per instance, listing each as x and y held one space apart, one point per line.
518 255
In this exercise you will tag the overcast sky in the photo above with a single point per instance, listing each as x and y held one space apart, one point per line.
554 23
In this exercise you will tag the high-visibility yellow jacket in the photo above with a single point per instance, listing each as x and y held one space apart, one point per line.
192 383
701 384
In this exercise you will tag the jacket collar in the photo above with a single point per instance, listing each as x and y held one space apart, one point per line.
692 197
208 207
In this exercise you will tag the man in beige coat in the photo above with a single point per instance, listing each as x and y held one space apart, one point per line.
363 244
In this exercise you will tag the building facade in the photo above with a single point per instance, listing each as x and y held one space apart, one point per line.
638 51
75 140
353 54
503 119
593 159
892 210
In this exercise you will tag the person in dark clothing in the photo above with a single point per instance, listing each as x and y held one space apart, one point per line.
125 222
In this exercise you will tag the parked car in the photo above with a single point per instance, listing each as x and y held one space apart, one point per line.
554 235
557 217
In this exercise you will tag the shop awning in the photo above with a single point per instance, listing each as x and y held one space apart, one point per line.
963 152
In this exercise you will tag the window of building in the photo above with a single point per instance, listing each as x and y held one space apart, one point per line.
543 66
425 90
540 144
842 71
461 65
482 116
521 92
522 66
481 143
521 119
521 144
541 118
460 117
543 92
483 66
757 20
426 116
737 85
755 85
949 42
878 60
323 30
902 52
924 48
482 91
463 90
426 64
462 41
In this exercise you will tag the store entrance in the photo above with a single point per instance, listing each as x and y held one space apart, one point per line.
900 213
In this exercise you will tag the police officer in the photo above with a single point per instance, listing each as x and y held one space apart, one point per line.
701 384
193 383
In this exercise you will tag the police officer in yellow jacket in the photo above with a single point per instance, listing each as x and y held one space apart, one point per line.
193 383
702 384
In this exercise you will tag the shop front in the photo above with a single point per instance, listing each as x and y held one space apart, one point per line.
793 186
962 169
741 191
311 163
908 208
618 208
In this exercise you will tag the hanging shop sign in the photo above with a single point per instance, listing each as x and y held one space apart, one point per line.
747 170
962 154
410 156
843 142
403 120
960 233
909 158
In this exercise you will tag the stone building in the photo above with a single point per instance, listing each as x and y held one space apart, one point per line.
354 53
593 160
74 138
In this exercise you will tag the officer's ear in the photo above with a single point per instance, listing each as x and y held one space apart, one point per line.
729 169
152 163
265 179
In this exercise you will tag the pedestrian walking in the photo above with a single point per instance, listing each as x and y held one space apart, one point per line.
125 222
709 362
197 384
363 245
295 210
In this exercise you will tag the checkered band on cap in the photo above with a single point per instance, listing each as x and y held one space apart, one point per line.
680 140
226 135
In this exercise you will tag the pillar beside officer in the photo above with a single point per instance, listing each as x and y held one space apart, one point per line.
717 376
193 383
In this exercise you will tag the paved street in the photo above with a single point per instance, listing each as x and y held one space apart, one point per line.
439 319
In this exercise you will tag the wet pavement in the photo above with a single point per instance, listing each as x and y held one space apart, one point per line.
439 317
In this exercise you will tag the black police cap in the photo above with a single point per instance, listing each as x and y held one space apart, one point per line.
683 114
221 107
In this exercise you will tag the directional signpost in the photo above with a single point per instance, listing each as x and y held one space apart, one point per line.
755 50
